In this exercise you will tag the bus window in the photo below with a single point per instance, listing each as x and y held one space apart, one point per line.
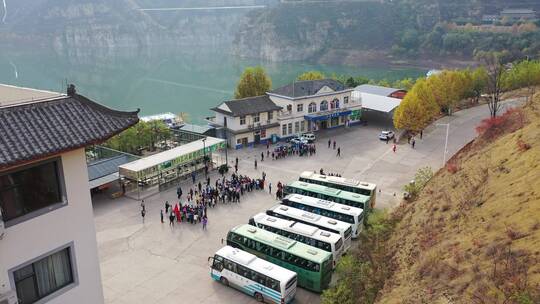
229 265
218 263
243 271
273 284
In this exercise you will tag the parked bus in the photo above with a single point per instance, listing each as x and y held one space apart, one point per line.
256 277
344 213
311 235
313 266
312 219
341 183
329 194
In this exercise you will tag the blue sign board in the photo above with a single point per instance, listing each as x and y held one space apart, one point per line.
327 116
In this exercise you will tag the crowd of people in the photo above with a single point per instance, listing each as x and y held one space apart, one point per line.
193 206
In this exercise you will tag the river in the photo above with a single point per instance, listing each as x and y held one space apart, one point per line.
165 80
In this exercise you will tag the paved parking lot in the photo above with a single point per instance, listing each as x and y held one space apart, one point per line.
156 263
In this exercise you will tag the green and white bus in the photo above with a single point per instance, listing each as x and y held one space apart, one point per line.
340 212
341 183
264 281
312 265
307 234
329 194
312 219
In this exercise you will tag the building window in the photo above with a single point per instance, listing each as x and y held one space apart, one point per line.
346 99
290 128
242 120
324 105
334 104
43 277
270 115
312 107
30 189
300 107
284 130
296 126
256 118
302 126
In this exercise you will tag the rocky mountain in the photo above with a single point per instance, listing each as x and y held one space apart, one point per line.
72 25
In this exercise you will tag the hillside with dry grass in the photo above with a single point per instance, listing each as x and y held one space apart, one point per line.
473 233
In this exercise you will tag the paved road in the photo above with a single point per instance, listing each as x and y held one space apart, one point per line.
156 263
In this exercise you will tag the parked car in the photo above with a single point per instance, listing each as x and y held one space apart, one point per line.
386 135
310 137
298 140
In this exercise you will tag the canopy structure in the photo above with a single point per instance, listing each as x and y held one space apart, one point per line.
180 160
379 103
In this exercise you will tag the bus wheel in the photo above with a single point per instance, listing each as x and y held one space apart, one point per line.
224 281
259 297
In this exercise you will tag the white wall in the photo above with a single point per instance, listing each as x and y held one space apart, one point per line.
72 223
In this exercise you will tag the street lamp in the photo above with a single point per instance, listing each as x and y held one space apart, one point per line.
445 142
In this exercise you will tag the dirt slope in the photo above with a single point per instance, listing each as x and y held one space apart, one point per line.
473 235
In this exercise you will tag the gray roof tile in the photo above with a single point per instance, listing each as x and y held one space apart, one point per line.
35 130
250 105
307 87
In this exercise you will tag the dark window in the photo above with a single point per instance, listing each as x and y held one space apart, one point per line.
30 189
43 277
274 284
230 265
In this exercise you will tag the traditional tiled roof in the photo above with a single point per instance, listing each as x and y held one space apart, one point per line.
307 87
36 129
376 90
247 106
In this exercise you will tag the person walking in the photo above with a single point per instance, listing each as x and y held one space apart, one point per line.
338 151
171 218
193 177
143 206
255 164
161 215
269 188
204 222
262 156
167 206
200 186
413 142
143 213
179 192
334 144
394 148
329 142
421 133
236 168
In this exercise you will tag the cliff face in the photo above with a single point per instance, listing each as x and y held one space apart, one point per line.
300 31
73 25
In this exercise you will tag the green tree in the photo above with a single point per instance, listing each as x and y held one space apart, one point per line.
253 82
404 84
421 178
524 74
311 75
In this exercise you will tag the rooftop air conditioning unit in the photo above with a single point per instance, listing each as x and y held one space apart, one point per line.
9 297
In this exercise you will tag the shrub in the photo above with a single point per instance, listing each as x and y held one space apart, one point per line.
491 128
422 176
452 168
523 146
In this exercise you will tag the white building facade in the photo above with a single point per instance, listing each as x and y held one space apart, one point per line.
247 122
48 248
309 106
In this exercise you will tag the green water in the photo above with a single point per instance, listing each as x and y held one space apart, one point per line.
166 80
